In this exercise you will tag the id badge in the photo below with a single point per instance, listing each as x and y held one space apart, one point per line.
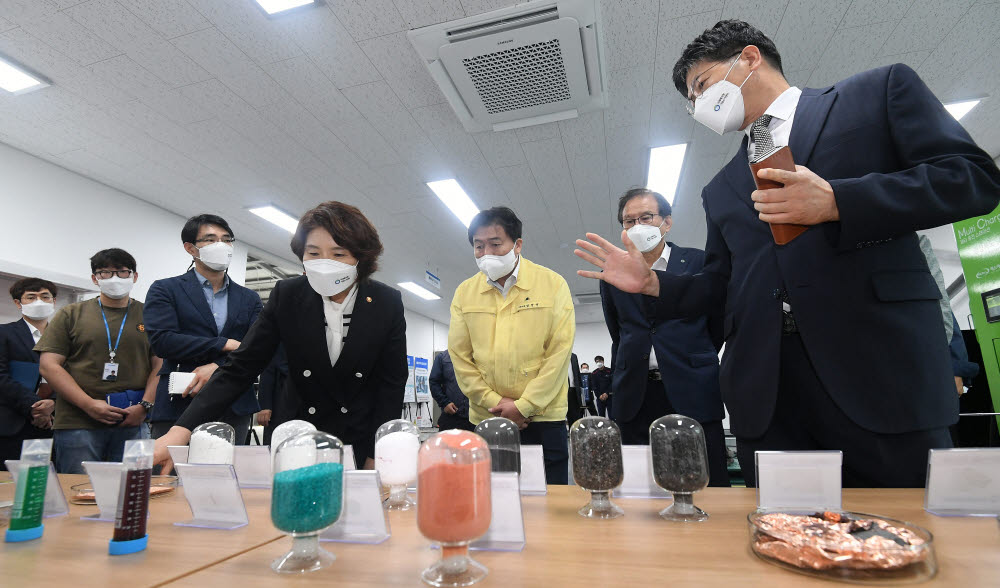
110 372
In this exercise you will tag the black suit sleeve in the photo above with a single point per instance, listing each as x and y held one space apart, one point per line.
391 372
12 394
159 313
945 178
700 294
611 320
257 307
230 381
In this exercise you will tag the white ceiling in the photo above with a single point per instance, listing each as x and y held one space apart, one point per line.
207 105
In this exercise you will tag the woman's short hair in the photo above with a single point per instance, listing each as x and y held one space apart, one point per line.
348 227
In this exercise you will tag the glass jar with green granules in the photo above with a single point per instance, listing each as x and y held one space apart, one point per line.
29 493
307 497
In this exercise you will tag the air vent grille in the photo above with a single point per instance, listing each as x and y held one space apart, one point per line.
520 77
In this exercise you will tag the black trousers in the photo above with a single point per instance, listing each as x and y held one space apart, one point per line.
655 405
454 421
10 446
806 418
603 407
554 439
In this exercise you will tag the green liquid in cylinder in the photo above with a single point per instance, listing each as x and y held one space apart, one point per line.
29 498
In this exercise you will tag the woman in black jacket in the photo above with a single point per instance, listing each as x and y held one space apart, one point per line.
344 334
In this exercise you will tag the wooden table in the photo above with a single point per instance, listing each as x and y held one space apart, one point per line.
637 550
75 553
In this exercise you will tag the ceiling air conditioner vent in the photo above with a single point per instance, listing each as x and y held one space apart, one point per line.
528 64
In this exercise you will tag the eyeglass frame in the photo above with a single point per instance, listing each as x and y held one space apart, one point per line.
213 239
690 102
35 296
118 273
628 223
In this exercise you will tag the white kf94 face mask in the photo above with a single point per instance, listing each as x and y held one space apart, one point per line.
329 277
216 256
720 107
115 287
38 310
645 237
497 266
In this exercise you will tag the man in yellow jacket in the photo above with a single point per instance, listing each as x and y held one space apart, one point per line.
510 339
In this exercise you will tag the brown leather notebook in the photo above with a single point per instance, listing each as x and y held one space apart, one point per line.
780 159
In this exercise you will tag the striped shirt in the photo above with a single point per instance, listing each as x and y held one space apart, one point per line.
338 320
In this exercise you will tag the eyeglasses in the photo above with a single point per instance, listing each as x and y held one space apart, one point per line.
698 86
29 298
214 239
105 274
646 219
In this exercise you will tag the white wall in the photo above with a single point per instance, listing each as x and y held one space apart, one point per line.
592 339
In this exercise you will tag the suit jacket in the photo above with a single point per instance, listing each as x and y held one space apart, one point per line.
600 381
16 344
686 353
574 408
444 386
350 399
182 330
864 301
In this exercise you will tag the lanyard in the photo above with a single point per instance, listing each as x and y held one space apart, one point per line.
111 350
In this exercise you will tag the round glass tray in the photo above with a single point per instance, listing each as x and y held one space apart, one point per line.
844 546
83 493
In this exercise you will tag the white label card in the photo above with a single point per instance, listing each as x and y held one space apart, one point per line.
963 482
55 500
799 480
638 481
178 453
106 480
363 519
213 493
532 470
253 465
506 532
349 463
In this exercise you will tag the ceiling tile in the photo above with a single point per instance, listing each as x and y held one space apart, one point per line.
537 132
170 18
669 121
629 96
948 66
866 12
911 59
70 38
849 51
500 149
627 146
368 18
522 191
400 65
125 31
220 57
629 32
474 7
916 33
763 14
6 25
261 38
547 161
421 13
673 36
386 113
331 48
806 29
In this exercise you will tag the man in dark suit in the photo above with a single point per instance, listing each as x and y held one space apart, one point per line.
834 340
444 388
194 320
601 385
344 334
662 367
25 407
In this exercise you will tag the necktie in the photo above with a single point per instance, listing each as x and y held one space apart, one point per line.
760 134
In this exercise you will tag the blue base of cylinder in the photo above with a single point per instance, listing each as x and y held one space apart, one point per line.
127 547
24 534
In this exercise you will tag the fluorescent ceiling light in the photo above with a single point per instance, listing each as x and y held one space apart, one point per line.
276 6
960 109
278 217
665 165
419 291
455 198
17 81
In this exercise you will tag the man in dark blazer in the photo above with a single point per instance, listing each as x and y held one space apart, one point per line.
444 388
25 410
833 340
662 367
195 319
347 387
601 385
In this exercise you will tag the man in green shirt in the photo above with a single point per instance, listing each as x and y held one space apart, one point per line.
95 354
